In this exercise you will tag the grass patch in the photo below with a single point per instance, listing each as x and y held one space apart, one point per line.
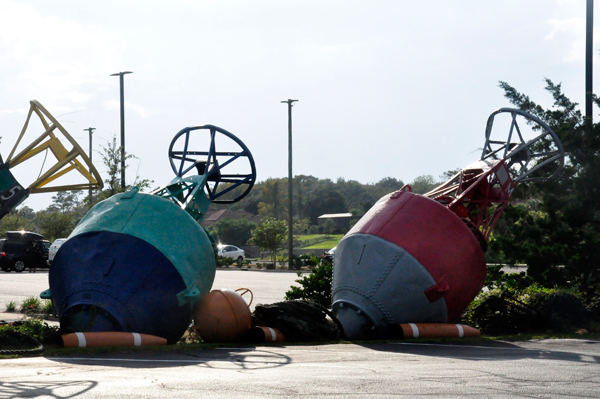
11 306
305 237
332 242
324 245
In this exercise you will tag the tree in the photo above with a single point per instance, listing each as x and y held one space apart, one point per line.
111 157
270 235
423 184
274 199
558 234
65 201
234 232
324 199
55 224
16 220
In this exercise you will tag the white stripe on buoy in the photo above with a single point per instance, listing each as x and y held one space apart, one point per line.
461 332
273 335
81 339
137 339
415 330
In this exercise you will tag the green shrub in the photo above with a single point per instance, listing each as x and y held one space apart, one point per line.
47 307
31 326
315 287
224 261
31 305
496 278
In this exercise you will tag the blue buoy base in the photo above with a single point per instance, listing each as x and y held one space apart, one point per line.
106 281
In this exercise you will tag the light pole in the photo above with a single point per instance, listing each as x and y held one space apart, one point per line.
90 130
589 52
120 75
290 104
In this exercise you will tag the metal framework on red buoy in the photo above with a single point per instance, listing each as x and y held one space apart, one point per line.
479 193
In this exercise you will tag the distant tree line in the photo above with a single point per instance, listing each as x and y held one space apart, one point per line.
313 197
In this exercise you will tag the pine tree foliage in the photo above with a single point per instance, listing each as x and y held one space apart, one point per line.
555 226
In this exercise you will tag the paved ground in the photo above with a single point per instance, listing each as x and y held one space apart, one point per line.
487 369
267 286
540 369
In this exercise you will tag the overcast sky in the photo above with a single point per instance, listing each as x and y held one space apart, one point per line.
385 88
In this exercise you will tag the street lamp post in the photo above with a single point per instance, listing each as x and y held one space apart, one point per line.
90 130
290 104
589 52
120 75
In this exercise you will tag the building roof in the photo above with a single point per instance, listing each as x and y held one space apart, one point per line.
213 216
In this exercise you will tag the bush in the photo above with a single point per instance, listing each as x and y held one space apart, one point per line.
31 305
531 309
47 307
224 261
315 287
309 261
33 327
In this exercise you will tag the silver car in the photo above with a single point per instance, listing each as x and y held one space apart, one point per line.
54 249
231 251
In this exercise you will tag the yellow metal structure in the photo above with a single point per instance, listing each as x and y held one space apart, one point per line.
67 160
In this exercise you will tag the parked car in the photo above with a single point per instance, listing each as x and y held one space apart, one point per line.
54 249
231 251
327 257
23 249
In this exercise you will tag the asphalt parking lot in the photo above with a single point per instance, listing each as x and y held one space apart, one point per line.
268 286
482 369
537 369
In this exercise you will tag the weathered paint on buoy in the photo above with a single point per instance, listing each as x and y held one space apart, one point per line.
409 259
135 263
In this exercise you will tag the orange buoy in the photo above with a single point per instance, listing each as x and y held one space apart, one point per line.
438 330
110 338
222 316
272 334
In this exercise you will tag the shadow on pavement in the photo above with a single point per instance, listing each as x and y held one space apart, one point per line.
490 350
30 389
222 358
